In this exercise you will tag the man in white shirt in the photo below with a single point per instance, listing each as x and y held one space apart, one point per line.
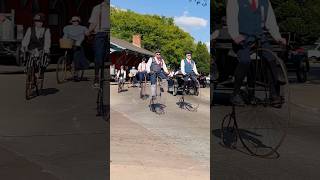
121 75
156 66
142 68
100 26
133 73
189 69
247 20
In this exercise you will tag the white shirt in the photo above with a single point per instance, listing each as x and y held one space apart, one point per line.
39 33
183 70
134 71
142 67
233 24
76 33
103 10
158 61
121 71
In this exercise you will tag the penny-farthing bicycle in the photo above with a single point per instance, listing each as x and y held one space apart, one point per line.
261 124
191 96
157 103
143 87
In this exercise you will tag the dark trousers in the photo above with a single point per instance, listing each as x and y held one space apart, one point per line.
193 77
153 77
243 68
100 49
141 76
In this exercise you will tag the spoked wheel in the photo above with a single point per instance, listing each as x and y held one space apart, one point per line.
64 71
229 135
190 98
263 122
157 103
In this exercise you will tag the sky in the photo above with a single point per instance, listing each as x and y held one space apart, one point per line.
188 15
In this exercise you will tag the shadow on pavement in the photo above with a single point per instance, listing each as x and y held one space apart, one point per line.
49 91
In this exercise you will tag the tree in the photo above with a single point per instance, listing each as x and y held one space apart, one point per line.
202 58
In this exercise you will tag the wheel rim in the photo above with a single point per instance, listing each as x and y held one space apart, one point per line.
262 127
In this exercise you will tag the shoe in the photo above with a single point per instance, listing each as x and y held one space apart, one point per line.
237 100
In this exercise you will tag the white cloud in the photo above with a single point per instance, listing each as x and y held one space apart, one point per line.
117 8
186 22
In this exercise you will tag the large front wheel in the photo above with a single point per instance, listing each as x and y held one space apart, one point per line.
263 122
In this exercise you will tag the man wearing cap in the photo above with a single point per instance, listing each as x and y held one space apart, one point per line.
189 69
77 33
156 67
247 20
38 38
99 25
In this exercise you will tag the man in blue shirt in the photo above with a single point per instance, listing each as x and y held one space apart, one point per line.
189 69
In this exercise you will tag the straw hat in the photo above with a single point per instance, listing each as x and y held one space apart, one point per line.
75 18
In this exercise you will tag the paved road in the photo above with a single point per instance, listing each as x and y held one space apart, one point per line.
148 146
54 136
299 153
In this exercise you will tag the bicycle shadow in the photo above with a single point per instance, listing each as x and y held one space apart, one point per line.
145 97
49 91
186 106
230 140
123 90
158 108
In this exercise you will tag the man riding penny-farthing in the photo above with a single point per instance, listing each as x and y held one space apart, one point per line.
260 96
191 85
158 71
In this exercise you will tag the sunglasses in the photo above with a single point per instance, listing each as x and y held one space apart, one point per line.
74 21
158 54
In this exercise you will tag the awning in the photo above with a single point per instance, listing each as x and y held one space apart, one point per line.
120 45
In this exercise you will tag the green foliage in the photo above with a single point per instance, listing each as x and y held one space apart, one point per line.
202 58
157 32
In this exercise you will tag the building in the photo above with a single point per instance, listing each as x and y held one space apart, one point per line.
127 54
